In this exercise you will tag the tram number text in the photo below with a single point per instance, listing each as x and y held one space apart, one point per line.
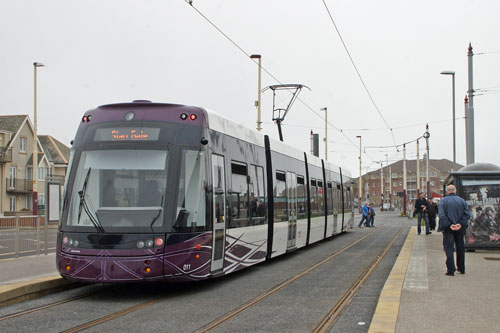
186 267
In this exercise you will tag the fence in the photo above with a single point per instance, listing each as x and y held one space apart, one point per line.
26 235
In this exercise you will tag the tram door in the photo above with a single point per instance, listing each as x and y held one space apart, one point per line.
219 211
291 189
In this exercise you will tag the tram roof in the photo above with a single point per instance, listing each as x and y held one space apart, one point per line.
232 128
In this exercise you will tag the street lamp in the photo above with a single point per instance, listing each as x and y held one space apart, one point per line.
259 120
326 132
360 179
453 103
35 146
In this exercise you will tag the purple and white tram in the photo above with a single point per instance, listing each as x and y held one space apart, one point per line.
179 193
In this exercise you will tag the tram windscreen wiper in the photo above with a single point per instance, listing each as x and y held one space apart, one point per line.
157 215
83 204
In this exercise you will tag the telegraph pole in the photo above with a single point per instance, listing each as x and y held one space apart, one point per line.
418 170
469 120
404 179
426 137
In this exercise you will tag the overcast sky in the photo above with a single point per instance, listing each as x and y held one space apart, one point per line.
100 52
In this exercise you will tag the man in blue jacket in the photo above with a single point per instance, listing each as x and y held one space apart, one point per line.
364 216
454 216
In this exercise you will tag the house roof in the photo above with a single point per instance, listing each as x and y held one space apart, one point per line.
444 166
57 152
12 123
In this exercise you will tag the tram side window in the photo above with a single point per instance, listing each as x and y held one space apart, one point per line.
301 198
258 207
321 199
191 198
330 198
280 198
339 197
314 198
238 196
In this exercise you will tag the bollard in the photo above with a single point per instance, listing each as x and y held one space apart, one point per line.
16 240
46 224
37 220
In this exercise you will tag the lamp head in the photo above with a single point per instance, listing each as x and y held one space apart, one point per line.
447 73
38 64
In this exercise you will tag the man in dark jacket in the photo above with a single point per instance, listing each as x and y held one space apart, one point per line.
421 207
454 215
433 210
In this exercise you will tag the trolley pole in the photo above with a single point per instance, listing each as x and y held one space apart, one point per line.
360 186
404 179
427 182
470 116
418 170
259 92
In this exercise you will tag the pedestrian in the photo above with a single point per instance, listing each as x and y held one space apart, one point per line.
410 209
364 215
421 207
371 211
454 215
433 210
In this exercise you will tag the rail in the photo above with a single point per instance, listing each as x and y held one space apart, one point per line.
26 235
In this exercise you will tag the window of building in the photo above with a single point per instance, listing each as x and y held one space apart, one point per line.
42 173
29 173
432 183
400 183
12 180
12 205
41 199
29 201
374 193
373 176
22 145
394 175
395 184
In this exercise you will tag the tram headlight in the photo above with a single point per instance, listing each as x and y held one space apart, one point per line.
149 243
75 243
70 242
140 244
65 240
159 242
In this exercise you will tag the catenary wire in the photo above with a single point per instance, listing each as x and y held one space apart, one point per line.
359 74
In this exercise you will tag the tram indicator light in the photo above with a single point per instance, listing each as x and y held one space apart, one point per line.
148 269
159 242
198 246
193 117
68 268
184 116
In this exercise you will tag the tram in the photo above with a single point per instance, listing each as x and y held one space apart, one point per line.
179 193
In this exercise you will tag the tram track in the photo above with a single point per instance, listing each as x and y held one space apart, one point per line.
325 324
221 320
50 305
334 313
230 315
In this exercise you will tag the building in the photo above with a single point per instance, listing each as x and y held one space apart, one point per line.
16 164
393 189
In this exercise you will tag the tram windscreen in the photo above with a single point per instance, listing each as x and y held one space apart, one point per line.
121 190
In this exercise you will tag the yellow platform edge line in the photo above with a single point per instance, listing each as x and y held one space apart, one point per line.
386 313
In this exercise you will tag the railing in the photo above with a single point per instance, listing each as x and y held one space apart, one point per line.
5 155
26 235
19 185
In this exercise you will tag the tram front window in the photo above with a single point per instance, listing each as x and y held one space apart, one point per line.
119 191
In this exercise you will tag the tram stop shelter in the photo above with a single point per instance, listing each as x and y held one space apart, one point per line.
479 185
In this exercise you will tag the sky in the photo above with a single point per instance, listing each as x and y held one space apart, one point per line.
101 52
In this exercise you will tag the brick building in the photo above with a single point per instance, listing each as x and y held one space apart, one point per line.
393 189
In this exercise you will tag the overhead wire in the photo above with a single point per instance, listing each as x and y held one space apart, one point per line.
189 2
358 73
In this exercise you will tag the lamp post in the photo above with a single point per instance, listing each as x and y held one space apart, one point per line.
360 179
259 119
35 145
453 103
426 137
326 133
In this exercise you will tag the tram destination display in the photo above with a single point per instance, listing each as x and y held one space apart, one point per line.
127 134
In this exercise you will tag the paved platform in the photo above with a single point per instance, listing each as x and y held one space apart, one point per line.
25 277
419 297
